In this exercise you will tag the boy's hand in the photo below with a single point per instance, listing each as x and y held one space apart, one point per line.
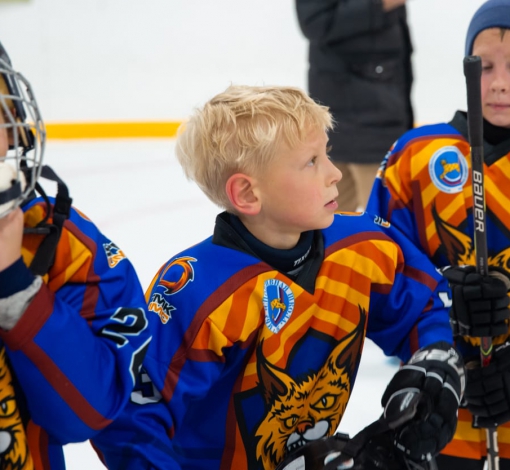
435 374
479 303
11 237
488 388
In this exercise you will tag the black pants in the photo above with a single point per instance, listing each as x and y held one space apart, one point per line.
445 462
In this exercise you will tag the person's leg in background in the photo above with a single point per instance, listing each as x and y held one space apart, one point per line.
347 199
363 176
355 186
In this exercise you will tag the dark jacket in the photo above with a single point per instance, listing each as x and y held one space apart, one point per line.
360 66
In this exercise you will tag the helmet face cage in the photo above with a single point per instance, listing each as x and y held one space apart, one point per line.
25 132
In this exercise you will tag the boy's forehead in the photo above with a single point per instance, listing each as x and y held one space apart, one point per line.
491 37
314 138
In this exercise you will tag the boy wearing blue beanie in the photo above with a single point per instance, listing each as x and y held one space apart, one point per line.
424 188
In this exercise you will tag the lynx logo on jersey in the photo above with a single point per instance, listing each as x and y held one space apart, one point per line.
448 170
301 399
113 253
278 303
14 451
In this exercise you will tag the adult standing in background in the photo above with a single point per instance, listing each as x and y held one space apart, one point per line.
360 67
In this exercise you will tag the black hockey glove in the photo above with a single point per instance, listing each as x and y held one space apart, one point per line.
480 303
378 453
436 373
488 388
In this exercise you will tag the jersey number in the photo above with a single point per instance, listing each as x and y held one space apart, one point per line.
130 322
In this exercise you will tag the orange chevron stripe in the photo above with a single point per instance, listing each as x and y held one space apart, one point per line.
470 443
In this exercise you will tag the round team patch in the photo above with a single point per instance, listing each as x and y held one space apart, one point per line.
448 170
278 303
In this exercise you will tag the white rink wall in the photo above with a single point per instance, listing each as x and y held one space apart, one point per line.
121 60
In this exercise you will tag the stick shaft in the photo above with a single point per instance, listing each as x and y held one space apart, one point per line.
473 74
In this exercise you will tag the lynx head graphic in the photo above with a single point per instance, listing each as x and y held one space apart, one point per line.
457 246
299 411
14 453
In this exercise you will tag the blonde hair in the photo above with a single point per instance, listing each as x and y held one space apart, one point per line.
241 130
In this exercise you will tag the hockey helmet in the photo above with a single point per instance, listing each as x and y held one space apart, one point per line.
21 123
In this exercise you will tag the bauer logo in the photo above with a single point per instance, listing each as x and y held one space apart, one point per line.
448 170
278 303
113 253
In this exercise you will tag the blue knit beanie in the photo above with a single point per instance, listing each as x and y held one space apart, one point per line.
492 14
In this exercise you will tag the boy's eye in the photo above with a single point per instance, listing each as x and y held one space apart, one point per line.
313 161
328 149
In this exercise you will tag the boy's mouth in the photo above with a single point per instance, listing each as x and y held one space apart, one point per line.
499 105
332 203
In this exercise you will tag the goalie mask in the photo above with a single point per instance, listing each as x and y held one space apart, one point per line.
22 137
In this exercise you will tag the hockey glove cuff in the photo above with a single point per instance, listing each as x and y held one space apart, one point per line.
488 388
479 303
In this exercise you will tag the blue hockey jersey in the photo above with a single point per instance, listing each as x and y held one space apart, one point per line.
424 187
247 362
76 351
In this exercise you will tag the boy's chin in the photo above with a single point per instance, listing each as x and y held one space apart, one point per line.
499 120
327 222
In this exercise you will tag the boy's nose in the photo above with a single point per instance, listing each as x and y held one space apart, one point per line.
501 82
336 173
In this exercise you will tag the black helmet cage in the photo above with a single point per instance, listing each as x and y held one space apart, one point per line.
26 133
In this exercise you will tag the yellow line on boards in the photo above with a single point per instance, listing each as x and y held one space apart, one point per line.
111 130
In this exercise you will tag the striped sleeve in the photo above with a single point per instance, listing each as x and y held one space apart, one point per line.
78 347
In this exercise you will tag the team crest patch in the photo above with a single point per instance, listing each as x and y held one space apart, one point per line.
113 253
448 170
278 303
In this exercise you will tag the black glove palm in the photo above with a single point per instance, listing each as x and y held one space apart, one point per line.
488 388
480 303
436 373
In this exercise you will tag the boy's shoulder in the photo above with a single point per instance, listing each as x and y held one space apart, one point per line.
209 266
354 225
426 132
359 228
71 218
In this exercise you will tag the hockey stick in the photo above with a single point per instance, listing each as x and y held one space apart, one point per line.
473 74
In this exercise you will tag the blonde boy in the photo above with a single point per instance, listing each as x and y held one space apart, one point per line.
262 324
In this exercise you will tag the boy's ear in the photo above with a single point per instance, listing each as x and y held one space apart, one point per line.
241 192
